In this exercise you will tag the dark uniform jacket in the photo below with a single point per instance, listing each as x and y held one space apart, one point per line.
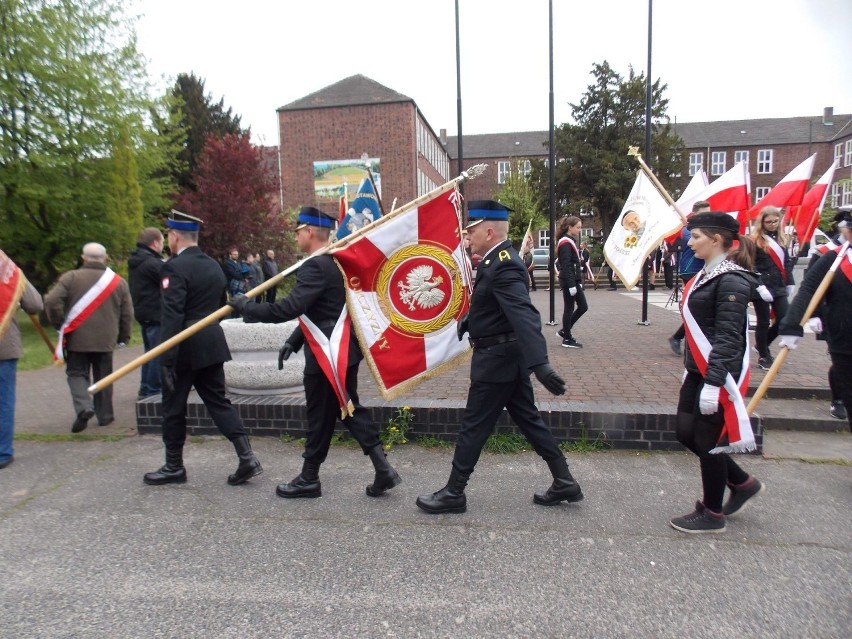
144 269
193 287
570 268
319 294
770 275
718 303
835 311
500 305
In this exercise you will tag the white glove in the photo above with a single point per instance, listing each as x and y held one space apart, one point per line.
683 377
815 324
572 291
789 341
764 293
708 400
790 290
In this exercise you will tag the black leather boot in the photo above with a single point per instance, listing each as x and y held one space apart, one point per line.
563 488
306 483
450 499
249 466
386 476
172 472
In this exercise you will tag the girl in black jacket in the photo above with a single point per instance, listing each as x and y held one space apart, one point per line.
711 413
775 267
570 277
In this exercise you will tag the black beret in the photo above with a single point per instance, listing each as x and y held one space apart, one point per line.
713 220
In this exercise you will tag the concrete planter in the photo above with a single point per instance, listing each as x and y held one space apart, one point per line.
254 367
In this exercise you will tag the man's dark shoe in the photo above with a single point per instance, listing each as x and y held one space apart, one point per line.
571 343
386 477
674 344
740 495
450 499
248 467
765 362
838 410
700 521
82 421
564 487
172 472
107 422
305 484
6 462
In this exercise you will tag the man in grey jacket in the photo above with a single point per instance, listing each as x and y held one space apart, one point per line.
93 312
10 352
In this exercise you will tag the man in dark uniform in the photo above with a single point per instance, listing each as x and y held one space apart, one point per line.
193 287
505 332
835 311
318 300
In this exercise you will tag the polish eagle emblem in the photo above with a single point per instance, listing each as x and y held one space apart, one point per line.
421 288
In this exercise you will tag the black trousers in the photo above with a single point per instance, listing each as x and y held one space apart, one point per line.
323 410
700 433
210 384
573 308
485 403
841 372
764 334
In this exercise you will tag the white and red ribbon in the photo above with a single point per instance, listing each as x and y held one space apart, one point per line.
778 255
84 307
332 355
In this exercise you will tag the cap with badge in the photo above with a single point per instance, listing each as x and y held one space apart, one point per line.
714 220
481 210
843 218
310 216
182 221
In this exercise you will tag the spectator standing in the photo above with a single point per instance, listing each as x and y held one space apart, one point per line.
145 267
234 273
255 274
270 269
93 312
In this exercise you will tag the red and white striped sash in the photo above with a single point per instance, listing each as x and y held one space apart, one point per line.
737 425
332 355
777 254
84 307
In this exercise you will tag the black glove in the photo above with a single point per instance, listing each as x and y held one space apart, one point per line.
167 378
283 354
550 379
238 303
461 327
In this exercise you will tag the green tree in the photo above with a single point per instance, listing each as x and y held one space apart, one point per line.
72 84
520 194
593 171
123 198
198 117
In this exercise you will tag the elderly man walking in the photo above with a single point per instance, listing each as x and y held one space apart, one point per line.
92 310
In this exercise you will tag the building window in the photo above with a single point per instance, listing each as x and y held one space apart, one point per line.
524 168
760 192
587 232
847 194
764 161
847 158
696 162
543 238
838 151
718 159
504 170
741 156
835 195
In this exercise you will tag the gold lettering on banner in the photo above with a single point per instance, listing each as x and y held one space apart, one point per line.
370 316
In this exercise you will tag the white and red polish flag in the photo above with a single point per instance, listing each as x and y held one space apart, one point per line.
729 192
808 215
684 203
12 283
789 191
407 286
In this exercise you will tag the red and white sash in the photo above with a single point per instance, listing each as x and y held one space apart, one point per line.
564 239
846 264
84 307
737 425
777 254
332 355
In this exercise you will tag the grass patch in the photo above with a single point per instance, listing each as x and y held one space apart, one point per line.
430 441
584 444
343 439
36 354
66 437
506 443
289 439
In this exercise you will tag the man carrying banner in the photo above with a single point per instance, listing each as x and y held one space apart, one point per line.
331 361
15 292
835 315
193 287
505 332
93 312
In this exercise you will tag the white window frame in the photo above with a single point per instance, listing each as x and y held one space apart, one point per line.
847 194
696 162
847 155
587 232
838 150
718 161
524 168
504 170
834 198
760 192
764 161
543 238
741 156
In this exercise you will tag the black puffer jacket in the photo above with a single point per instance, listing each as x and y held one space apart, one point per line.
570 269
769 273
718 303
144 272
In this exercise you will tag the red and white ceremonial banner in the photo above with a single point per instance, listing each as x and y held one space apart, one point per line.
407 286
807 217
789 191
12 283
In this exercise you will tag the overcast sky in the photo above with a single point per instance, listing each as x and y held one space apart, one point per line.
722 60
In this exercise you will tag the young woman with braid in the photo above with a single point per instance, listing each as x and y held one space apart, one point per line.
570 277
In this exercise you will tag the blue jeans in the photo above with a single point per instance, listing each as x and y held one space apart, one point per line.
149 383
7 407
